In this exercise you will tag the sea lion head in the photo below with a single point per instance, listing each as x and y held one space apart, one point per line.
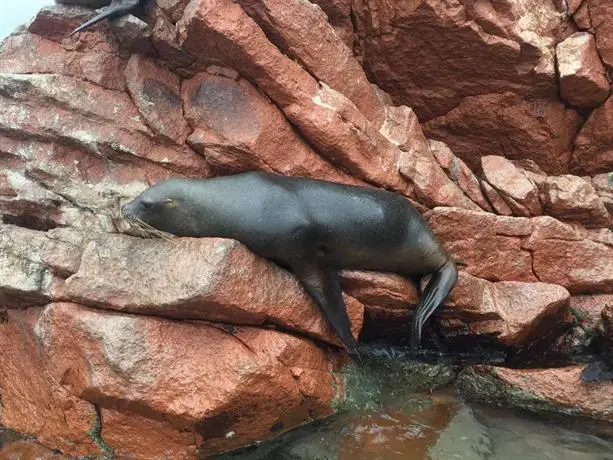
162 208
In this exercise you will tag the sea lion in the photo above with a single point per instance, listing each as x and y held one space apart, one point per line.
311 227
116 9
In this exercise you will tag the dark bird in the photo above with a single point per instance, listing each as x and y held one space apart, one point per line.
116 9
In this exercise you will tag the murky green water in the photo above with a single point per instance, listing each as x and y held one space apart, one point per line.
391 413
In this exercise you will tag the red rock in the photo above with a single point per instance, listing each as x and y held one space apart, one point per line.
517 314
500 206
24 281
157 95
583 81
328 120
33 403
79 97
573 6
379 289
339 16
509 313
150 287
601 15
65 126
238 129
166 42
582 267
458 172
582 17
63 251
30 54
23 449
590 309
489 245
470 133
133 436
133 34
573 198
603 183
546 227
516 188
173 8
104 69
52 22
492 35
557 390
184 387
593 151
302 31
431 185
59 185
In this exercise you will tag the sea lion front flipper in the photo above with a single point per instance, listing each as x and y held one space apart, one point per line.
324 286
438 287
116 8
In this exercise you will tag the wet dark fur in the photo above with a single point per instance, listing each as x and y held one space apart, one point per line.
312 227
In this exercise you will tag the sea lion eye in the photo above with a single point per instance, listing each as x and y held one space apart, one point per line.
168 201
147 204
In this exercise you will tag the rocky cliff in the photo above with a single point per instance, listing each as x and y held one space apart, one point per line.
493 118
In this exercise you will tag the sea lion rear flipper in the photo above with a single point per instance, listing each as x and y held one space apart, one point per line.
324 286
113 10
438 287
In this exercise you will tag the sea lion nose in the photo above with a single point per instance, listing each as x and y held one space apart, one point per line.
126 209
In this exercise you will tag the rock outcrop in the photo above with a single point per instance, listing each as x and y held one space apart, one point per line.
492 118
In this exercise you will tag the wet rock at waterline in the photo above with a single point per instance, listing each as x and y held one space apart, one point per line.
556 390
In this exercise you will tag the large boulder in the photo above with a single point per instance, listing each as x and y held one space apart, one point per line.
196 279
211 381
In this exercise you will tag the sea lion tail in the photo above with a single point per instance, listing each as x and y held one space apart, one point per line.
442 282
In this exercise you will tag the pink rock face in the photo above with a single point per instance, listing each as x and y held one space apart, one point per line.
238 129
329 121
573 198
593 151
431 185
512 314
583 81
469 131
581 266
304 34
520 193
131 435
558 390
394 36
33 403
601 19
542 249
157 94
197 278
491 249
461 174
177 377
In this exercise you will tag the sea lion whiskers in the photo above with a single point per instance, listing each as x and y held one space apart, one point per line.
149 230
